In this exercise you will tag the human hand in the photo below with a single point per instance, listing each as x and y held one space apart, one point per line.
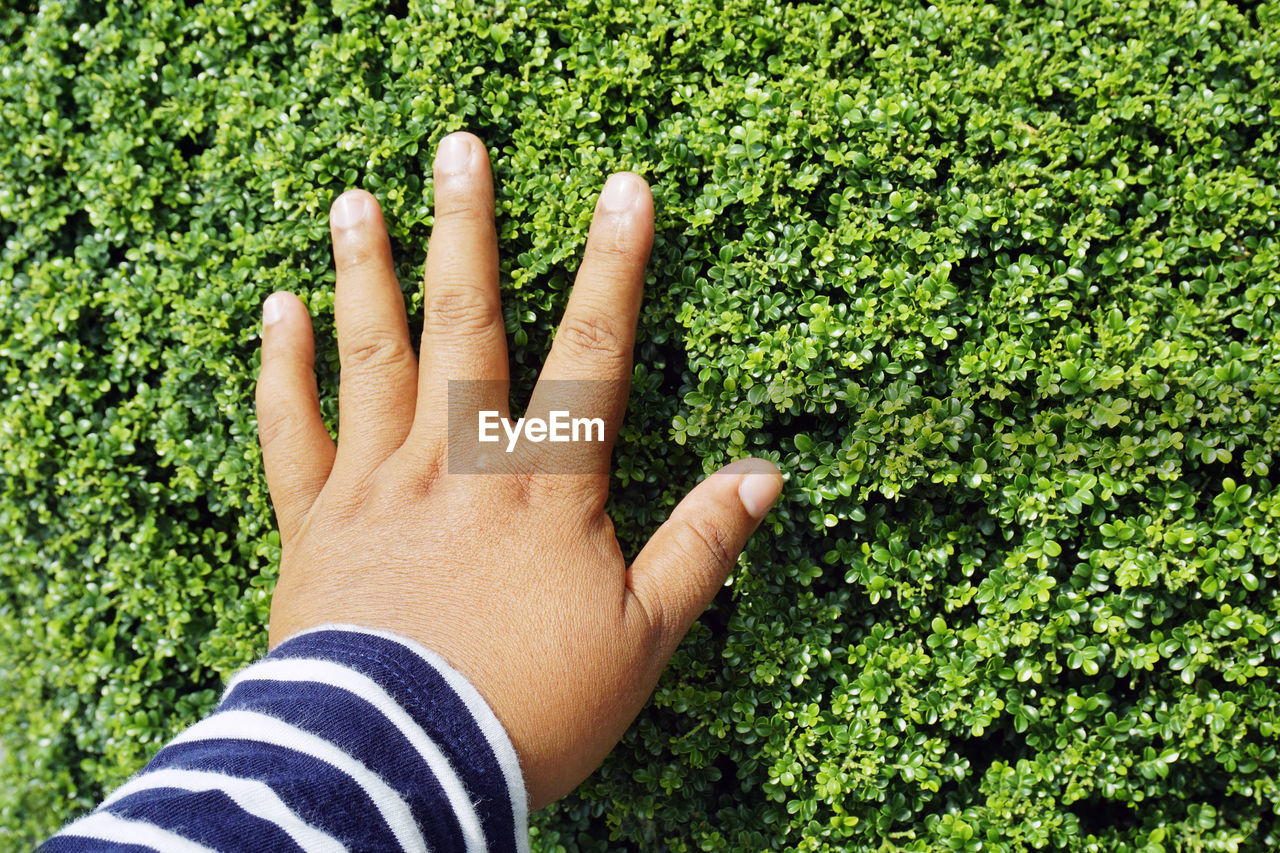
516 578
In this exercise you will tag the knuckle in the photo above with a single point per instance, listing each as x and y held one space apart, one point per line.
276 426
592 337
713 541
521 490
416 470
545 482
376 350
354 254
545 485
459 308
461 211
615 253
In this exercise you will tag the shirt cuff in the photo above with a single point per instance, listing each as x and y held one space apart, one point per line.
340 738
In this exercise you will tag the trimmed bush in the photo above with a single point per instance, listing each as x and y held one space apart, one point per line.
995 283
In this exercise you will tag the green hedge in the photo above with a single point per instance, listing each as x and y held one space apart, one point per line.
995 283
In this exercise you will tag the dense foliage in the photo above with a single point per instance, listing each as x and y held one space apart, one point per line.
995 283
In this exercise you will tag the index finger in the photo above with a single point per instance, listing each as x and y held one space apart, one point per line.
597 333
463 336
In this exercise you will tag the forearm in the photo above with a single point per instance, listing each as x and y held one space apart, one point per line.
338 739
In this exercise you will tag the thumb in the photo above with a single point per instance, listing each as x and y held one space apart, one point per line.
681 568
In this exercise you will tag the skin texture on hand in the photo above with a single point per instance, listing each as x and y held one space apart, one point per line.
515 578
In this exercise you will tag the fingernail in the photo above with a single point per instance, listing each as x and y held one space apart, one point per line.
758 492
620 193
272 309
454 154
349 210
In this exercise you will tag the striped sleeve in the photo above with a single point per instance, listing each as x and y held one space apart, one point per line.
340 739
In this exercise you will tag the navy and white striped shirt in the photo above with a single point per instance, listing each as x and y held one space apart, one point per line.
340 739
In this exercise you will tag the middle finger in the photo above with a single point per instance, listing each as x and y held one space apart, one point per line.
463 336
